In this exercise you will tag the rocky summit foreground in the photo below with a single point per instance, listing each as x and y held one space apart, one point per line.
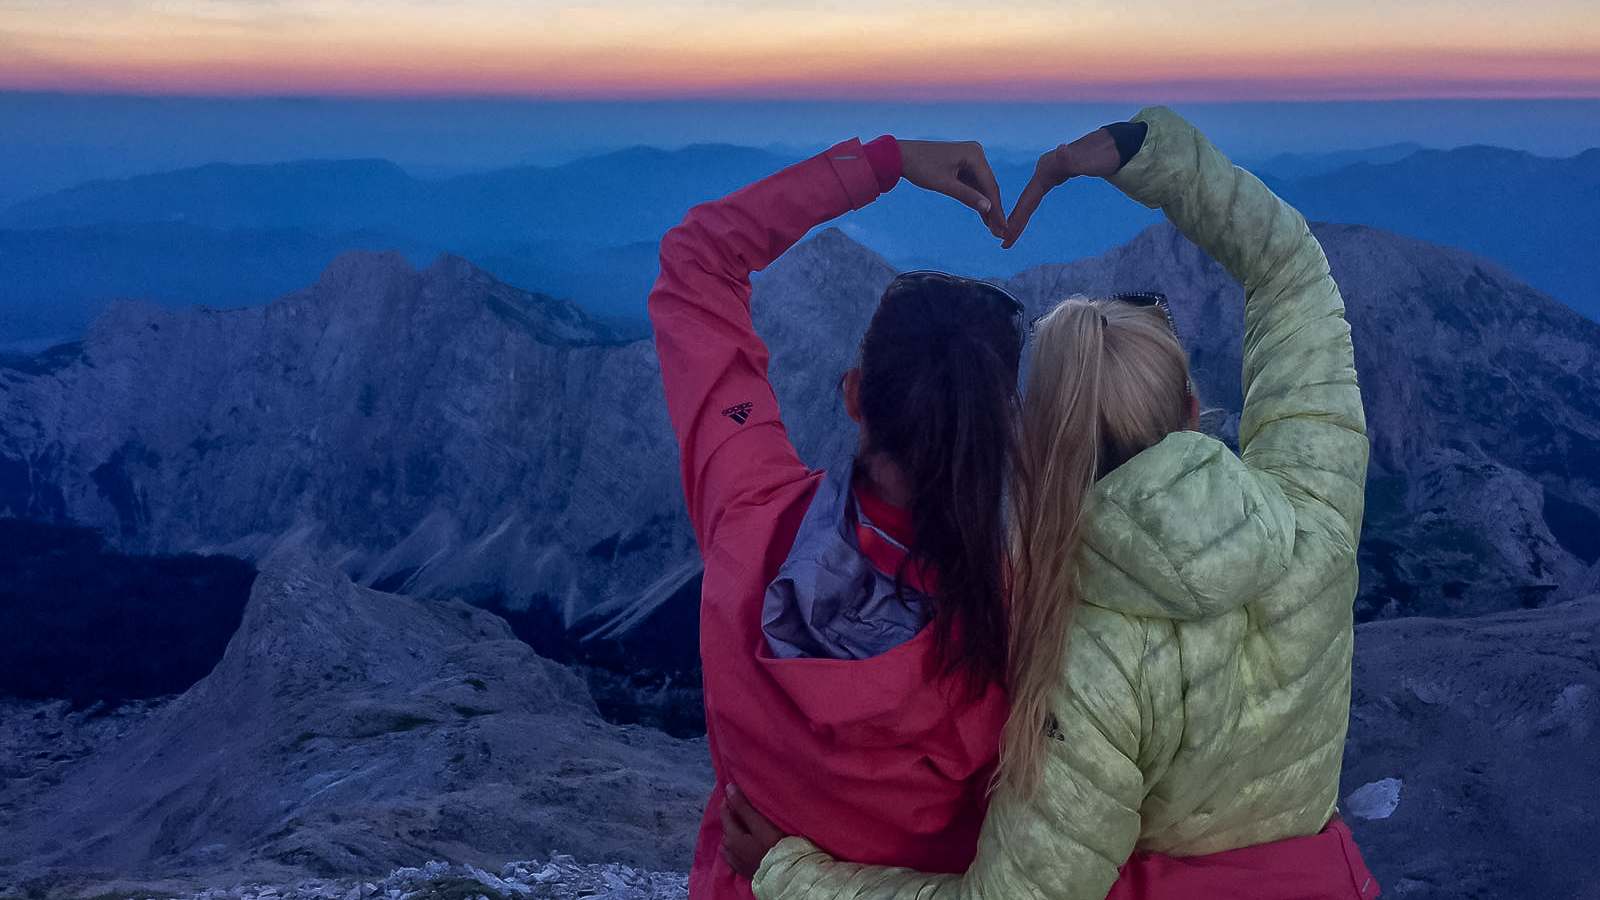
348 732
1472 770
349 737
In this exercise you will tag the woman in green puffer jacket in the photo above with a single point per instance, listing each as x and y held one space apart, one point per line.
1182 618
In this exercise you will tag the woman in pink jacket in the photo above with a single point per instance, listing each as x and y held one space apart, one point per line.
852 622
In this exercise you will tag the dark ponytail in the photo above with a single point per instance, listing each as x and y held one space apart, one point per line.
939 400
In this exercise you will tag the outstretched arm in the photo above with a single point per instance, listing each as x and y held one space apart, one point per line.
1303 426
713 364
1303 431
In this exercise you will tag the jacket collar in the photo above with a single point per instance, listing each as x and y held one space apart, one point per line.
832 597
1185 530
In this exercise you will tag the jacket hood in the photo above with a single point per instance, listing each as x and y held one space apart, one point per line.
829 600
1183 531
852 650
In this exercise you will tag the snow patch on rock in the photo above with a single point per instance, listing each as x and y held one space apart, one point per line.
1375 800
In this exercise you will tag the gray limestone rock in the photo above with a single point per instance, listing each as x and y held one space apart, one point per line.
345 732
439 433
1486 729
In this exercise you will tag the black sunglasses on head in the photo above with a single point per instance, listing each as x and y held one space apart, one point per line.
1159 301
1148 299
1135 298
934 276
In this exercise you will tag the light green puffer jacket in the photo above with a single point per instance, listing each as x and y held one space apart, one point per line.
1206 690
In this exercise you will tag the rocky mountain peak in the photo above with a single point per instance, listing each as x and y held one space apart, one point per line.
366 271
440 432
385 284
453 268
830 242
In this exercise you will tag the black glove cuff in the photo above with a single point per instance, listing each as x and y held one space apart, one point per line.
1129 137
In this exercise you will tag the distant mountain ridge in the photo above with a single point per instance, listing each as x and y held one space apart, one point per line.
1538 216
582 197
438 432
234 235
317 194
1302 165
583 230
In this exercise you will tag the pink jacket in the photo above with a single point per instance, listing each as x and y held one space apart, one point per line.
881 758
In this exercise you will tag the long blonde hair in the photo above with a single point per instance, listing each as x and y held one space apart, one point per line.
1106 379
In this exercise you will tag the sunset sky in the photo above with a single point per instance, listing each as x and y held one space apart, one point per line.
824 49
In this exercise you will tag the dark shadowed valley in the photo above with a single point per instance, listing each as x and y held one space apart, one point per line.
231 235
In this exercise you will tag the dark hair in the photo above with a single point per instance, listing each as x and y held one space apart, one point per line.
939 399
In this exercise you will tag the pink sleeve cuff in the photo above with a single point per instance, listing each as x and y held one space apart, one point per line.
884 156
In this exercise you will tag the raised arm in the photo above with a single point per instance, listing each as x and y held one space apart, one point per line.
1068 840
731 441
1303 425
713 364
1303 430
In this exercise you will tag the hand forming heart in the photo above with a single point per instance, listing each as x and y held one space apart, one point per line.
1095 154
959 169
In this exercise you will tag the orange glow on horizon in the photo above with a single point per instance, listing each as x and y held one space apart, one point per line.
873 50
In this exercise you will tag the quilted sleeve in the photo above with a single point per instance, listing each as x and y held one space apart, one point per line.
1303 424
1069 839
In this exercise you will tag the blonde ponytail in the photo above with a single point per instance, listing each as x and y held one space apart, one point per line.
1106 380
